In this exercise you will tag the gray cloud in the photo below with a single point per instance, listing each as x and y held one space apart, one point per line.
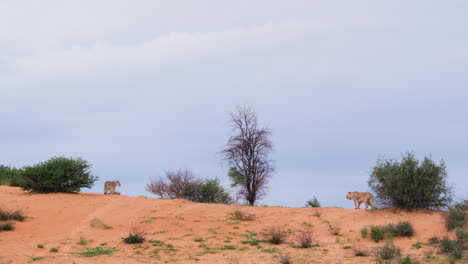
140 88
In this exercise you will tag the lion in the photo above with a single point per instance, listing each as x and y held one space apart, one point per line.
109 187
360 197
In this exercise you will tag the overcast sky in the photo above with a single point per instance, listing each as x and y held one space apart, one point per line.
141 87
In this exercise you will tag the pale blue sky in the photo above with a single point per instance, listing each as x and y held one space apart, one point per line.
141 87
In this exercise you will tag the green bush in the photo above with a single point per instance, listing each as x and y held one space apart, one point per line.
456 216
211 191
454 248
402 229
241 216
364 232
7 226
10 176
408 260
313 202
136 236
410 184
58 174
377 233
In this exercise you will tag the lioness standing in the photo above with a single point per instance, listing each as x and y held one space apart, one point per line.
360 197
109 187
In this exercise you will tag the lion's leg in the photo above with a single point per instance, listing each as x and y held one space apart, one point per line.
356 204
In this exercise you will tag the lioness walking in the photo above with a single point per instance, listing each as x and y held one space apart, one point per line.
360 197
109 187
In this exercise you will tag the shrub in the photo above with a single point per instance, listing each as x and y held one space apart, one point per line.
387 251
364 232
82 241
58 174
452 247
40 245
241 216
456 217
402 229
135 236
96 251
284 257
10 176
306 238
11 215
275 235
334 229
461 234
408 260
54 250
359 250
184 185
313 203
7 226
377 233
410 184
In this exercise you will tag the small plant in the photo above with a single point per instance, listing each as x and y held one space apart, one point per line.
275 235
461 234
284 257
306 238
6 215
7 226
317 213
408 260
229 247
82 241
98 223
241 216
387 251
364 232
377 233
313 202
359 250
54 250
198 239
433 240
40 245
335 229
454 248
135 236
37 258
96 251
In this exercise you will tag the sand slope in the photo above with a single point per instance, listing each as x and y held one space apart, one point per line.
59 220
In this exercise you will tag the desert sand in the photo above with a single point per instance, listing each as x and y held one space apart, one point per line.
197 233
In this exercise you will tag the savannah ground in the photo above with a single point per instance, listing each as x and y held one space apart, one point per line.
179 231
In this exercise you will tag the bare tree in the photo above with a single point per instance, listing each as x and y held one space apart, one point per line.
247 152
181 184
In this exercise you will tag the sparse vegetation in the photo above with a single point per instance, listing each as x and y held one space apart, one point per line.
387 251
241 216
40 245
306 238
454 248
334 229
6 215
284 257
313 202
275 235
407 260
96 251
135 236
410 184
58 174
359 250
401 229
456 216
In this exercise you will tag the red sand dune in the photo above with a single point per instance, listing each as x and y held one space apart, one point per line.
59 220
